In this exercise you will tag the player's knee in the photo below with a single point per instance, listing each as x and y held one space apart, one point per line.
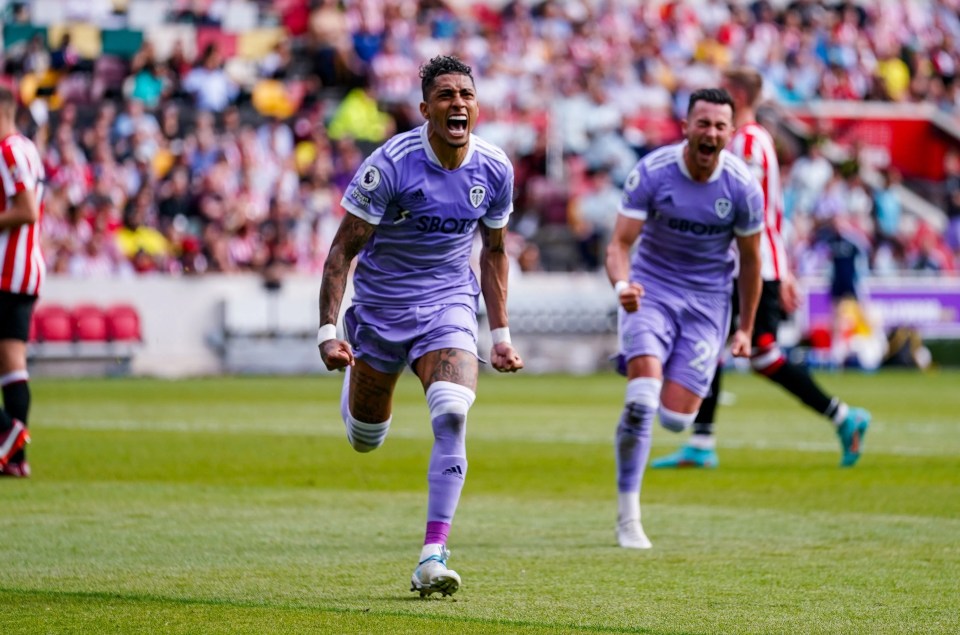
676 421
449 404
643 396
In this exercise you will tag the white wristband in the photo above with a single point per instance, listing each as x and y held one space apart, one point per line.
501 334
621 286
326 332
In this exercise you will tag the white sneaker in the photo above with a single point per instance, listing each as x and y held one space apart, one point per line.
630 535
433 576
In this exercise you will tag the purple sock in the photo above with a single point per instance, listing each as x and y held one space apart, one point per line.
634 434
436 533
448 468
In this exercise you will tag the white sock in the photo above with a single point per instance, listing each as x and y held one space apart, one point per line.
702 441
430 550
628 506
841 414
365 437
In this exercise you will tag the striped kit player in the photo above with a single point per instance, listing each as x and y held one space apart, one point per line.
21 278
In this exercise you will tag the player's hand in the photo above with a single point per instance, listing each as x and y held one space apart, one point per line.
505 358
789 293
740 344
336 354
630 297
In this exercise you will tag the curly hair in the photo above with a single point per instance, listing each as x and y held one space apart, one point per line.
441 65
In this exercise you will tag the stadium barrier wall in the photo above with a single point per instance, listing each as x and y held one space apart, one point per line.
218 324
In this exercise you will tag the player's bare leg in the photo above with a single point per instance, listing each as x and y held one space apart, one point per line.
700 450
366 405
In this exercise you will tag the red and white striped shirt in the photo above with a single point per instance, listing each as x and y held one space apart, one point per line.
754 145
21 264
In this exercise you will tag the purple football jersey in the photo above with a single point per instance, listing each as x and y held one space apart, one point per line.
689 226
426 218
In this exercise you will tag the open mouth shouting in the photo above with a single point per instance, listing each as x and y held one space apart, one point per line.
706 151
457 126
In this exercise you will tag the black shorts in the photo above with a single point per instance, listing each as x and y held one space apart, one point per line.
769 312
16 309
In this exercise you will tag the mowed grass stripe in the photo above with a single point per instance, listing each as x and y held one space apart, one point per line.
511 409
881 446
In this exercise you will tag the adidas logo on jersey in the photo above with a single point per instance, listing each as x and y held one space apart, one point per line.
419 196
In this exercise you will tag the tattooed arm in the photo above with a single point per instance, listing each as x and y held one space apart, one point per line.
494 268
353 234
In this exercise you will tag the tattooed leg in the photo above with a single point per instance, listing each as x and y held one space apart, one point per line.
365 406
371 393
448 364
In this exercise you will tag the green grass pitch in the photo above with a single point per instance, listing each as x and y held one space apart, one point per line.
235 505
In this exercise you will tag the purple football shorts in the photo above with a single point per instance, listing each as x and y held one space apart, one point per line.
390 338
686 334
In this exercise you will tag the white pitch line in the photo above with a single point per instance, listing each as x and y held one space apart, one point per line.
324 430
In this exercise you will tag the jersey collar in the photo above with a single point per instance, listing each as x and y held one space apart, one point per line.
433 155
683 164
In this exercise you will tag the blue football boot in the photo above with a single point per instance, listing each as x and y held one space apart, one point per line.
688 456
851 433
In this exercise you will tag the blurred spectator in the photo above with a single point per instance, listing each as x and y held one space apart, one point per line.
592 214
359 117
809 176
145 247
893 71
887 208
849 254
574 89
952 200
928 253
98 257
64 57
209 84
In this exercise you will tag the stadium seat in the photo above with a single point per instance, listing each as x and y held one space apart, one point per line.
258 43
240 16
16 33
45 12
226 43
164 38
123 323
122 42
85 38
144 14
89 323
51 323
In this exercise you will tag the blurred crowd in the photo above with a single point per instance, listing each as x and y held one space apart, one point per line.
208 163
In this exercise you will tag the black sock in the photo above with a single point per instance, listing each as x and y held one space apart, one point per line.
798 381
703 424
16 404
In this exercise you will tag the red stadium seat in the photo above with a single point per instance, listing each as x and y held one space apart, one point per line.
123 323
226 43
52 323
89 323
